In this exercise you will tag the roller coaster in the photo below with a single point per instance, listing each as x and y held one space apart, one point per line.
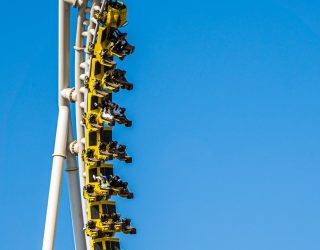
89 158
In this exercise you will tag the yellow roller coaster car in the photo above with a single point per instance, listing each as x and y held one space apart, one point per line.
100 147
112 112
105 243
105 80
116 78
117 45
94 119
97 70
104 221
114 16
93 140
97 74
101 110
103 186
118 151
99 49
96 170
91 172
111 42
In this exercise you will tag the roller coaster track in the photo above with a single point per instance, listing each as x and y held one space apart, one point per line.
92 183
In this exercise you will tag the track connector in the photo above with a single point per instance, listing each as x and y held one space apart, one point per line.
74 3
74 148
70 94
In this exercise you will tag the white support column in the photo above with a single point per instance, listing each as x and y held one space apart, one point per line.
62 128
56 177
74 196
79 58
75 3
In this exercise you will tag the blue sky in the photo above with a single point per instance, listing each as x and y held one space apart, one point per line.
226 134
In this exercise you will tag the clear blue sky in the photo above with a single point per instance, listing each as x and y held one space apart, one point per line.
226 135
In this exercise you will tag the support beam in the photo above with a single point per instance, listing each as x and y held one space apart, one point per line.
74 196
62 128
56 177
69 94
75 3
79 58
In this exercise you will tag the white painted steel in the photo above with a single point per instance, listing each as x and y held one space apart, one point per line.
73 147
79 95
79 58
90 38
83 65
56 177
69 94
83 141
75 3
62 128
72 2
75 196
83 90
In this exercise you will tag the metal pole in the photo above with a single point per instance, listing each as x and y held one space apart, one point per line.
74 196
56 177
79 57
62 129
